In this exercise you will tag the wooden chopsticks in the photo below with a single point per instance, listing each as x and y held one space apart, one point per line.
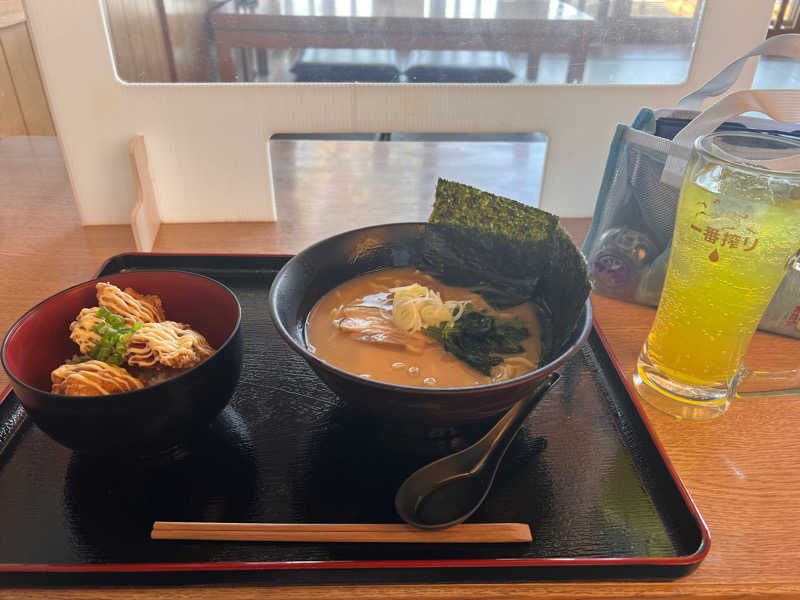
466 533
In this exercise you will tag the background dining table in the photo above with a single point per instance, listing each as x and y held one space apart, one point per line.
401 25
741 469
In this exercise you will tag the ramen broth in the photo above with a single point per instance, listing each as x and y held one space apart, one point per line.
427 363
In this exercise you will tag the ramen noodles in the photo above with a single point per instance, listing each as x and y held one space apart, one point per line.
405 327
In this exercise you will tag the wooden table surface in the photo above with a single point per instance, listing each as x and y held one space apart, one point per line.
741 469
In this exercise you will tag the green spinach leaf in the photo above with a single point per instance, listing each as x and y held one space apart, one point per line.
477 338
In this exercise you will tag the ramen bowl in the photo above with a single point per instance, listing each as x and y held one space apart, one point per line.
318 269
139 422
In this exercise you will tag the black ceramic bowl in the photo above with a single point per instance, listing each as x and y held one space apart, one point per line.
323 266
143 421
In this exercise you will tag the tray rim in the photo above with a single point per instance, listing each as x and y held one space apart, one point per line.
688 560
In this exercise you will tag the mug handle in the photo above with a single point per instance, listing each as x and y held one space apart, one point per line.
760 384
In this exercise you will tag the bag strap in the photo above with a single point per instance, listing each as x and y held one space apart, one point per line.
781 105
786 45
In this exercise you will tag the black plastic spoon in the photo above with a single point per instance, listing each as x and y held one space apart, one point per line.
447 491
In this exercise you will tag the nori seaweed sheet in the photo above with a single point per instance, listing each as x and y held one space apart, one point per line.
509 253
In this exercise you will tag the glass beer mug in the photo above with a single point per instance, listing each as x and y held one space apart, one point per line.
737 232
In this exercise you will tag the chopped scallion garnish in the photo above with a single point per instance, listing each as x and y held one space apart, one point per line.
114 337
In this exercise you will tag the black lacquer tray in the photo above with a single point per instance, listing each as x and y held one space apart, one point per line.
584 471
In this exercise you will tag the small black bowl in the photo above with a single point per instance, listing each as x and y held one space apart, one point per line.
143 421
329 263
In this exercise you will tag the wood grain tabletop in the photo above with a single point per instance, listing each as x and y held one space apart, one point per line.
741 469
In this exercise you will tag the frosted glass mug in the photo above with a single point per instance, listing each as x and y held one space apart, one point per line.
737 231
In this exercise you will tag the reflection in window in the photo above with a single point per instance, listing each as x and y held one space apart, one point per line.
466 9
406 41
663 8
507 164
785 17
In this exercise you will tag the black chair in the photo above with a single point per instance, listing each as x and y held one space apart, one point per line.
458 66
346 64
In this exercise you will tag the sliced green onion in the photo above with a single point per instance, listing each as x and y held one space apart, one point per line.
114 337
